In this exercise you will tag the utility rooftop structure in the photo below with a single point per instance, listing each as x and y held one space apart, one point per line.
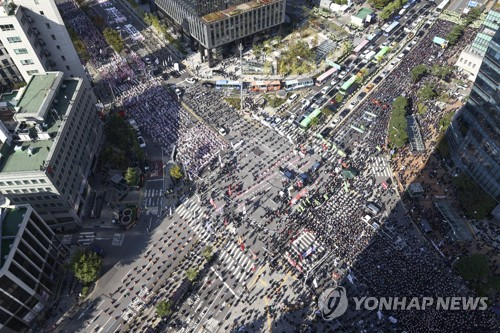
31 266
50 136
214 23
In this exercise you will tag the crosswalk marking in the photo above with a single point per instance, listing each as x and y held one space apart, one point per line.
380 166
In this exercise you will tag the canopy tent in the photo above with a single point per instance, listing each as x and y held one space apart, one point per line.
349 173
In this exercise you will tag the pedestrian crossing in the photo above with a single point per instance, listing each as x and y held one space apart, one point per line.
305 249
153 199
235 262
380 166
86 238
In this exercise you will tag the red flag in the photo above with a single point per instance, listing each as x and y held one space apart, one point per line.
242 246
225 222
230 192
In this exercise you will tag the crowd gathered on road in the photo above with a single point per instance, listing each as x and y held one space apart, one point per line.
382 261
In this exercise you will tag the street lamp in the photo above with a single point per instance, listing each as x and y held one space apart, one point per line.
240 47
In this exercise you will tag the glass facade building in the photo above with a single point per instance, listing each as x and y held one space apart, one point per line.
474 135
214 23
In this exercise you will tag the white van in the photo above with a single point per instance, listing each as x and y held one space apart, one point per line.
373 208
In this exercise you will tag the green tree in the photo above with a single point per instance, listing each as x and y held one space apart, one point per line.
86 266
163 308
207 252
474 267
443 72
132 176
176 172
80 47
326 112
427 92
417 72
455 34
379 4
385 13
398 134
192 274
314 122
114 39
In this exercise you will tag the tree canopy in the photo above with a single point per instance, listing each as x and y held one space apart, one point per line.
298 59
455 34
114 39
398 134
207 252
176 172
474 267
86 266
192 274
427 92
132 176
163 308
417 72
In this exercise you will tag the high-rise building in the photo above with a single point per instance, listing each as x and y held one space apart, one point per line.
50 136
474 135
31 266
9 74
215 23
34 35
471 57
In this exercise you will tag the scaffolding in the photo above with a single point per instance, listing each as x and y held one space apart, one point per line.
416 141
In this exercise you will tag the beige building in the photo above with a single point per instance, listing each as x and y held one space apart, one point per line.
50 138
34 35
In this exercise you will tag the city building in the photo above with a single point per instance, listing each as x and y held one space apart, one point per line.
50 135
212 24
471 57
474 135
362 16
31 267
9 74
33 34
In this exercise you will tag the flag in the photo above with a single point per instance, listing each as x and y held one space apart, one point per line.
213 203
379 314
229 191
157 61
242 246
350 278
309 251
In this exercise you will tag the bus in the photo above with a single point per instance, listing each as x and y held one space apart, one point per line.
391 28
349 85
298 84
370 55
325 76
381 54
225 84
265 86
442 5
361 46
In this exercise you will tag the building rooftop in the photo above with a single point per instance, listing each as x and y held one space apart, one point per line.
10 220
33 99
363 13
235 10
30 153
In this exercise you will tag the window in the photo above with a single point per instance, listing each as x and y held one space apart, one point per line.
14 39
27 62
41 13
58 47
67 67
20 51
53 37
63 58
35 71
48 25
6 27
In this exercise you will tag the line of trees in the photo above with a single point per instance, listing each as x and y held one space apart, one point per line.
458 30
114 39
398 133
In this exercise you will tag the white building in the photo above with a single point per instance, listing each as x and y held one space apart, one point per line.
34 35
50 147
9 74
31 267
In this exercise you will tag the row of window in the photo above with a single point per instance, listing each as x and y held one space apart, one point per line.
37 205
6 27
23 182
27 62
